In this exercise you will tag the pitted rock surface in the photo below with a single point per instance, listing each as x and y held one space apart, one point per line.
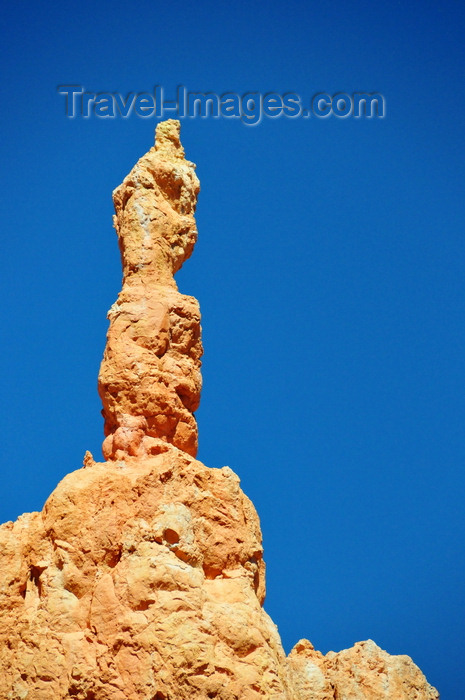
149 379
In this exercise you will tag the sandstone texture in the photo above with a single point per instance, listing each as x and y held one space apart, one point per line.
140 579
149 380
363 672
143 577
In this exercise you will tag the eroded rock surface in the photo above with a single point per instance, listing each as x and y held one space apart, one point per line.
143 576
363 672
143 579
149 380
137 578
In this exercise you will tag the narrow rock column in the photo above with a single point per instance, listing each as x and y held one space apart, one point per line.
149 379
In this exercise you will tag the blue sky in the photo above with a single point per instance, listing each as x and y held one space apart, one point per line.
330 272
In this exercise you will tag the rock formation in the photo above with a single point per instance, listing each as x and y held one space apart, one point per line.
143 576
149 380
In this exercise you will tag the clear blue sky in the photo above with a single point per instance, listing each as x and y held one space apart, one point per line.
330 272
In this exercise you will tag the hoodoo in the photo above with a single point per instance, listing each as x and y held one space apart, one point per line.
143 576
149 380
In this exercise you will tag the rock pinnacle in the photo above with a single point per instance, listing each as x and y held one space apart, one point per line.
143 577
149 380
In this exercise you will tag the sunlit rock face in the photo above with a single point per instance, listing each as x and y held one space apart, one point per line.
149 379
363 672
143 577
140 579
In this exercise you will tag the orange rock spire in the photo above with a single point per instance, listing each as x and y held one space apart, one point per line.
143 577
149 380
